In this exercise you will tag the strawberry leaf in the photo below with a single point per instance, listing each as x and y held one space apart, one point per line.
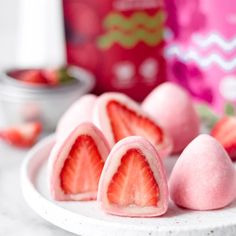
229 109
207 115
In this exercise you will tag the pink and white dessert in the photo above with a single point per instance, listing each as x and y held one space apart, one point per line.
203 177
118 116
172 108
76 163
78 112
133 182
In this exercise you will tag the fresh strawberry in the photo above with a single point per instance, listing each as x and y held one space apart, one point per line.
51 76
23 135
32 77
57 76
133 183
225 132
126 122
82 168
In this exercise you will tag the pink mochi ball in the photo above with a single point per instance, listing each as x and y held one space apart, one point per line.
172 107
203 177
79 112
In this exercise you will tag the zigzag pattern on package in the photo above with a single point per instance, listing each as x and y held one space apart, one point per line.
193 55
215 39
130 40
116 20
128 31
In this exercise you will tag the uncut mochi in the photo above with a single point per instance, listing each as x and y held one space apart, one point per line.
80 111
203 177
133 181
172 108
119 116
76 162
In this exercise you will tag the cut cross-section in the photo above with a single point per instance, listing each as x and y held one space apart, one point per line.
82 168
76 164
133 181
125 122
118 116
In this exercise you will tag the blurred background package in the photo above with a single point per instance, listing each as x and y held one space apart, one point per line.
120 41
201 52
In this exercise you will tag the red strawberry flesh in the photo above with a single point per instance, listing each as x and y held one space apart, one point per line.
51 76
82 168
225 132
134 182
32 77
23 135
125 122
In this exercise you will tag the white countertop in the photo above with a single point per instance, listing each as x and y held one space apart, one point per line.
16 218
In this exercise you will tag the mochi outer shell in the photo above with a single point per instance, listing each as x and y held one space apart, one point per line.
172 107
60 153
203 177
111 166
80 111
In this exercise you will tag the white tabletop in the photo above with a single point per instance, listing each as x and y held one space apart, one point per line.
16 218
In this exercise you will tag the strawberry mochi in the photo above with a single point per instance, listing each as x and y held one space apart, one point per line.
203 177
172 108
118 116
78 112
76 162
133 182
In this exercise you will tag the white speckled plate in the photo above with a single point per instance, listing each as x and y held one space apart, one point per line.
85 218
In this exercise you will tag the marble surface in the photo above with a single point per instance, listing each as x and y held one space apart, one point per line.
16 218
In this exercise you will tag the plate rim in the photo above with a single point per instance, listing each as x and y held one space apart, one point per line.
32 195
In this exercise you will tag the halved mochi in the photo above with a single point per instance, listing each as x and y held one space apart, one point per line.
203 177
79 112
118 116
133 181
76 163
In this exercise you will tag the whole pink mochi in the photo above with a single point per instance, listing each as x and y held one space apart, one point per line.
203 177
172 108
79 112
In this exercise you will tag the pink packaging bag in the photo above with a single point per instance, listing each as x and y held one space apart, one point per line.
202 49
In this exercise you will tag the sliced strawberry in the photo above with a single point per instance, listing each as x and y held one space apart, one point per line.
125 122
119 116
225 132
32 77
82 168
24 135
133 183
